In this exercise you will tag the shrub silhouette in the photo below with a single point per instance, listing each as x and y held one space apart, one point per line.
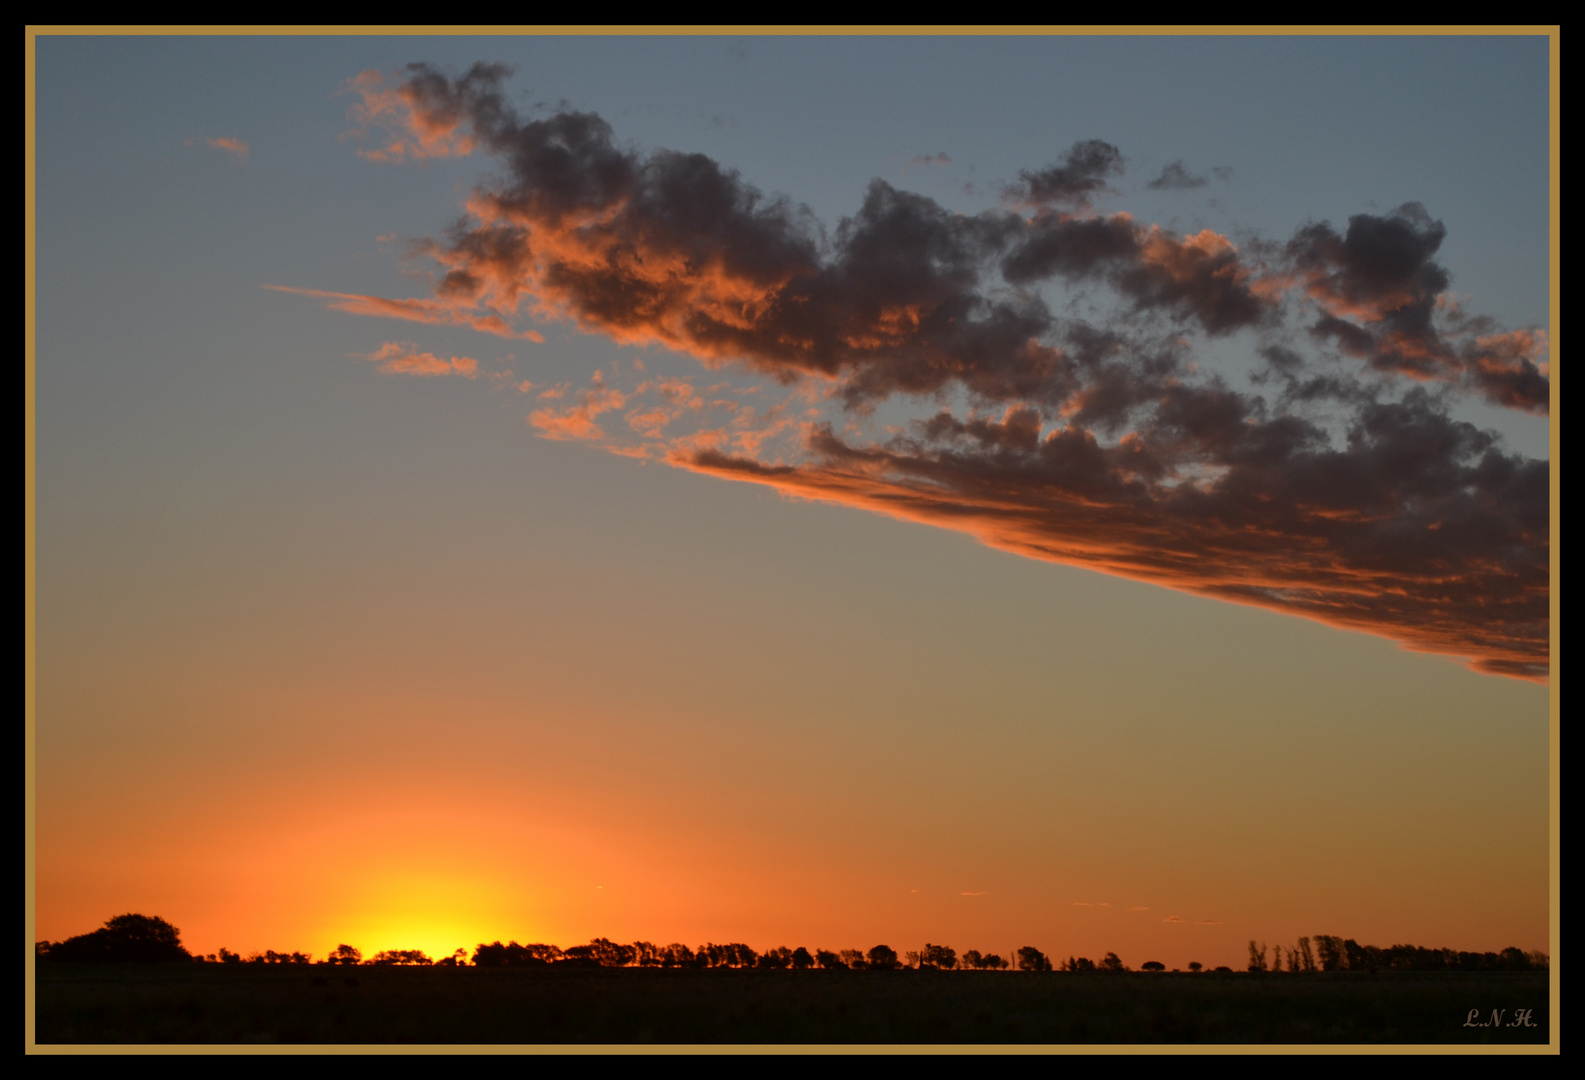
125 939
882 958
1032 959
402 958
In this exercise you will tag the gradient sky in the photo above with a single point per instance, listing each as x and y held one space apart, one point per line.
381 607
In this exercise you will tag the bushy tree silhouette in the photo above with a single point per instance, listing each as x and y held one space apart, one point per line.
1032 959
402 958
135 939
882 958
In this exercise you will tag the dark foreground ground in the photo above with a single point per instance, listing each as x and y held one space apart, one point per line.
178 1003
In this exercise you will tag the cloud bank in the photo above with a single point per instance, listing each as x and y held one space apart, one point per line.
1328 481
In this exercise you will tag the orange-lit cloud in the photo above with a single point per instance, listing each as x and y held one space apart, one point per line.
1106 442
422 311
403 358
235 148
578 421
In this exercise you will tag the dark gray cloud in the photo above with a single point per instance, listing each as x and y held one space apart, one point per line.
1083 173
1350 498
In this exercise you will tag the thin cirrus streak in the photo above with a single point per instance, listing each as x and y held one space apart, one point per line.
1337 487
403 358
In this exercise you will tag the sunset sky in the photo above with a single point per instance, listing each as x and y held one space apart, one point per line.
1080 492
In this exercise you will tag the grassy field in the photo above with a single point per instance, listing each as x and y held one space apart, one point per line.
213 1003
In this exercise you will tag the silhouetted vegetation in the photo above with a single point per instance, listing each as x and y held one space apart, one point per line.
125 939
1032 959
145 939
882 958
605 991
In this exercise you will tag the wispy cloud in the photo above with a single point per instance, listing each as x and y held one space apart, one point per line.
930 159
434 312
1176 176
1335 484
403 358
236 149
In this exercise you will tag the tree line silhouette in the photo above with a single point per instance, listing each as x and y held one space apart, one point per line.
1330 953
148 939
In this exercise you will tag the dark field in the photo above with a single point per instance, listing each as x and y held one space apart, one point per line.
180 1003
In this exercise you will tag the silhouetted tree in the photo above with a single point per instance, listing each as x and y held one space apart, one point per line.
830 961
402 958
646 954
1080 963
676 955
1329 950
1257 956
973 959
1306 957
1110 962
1195 966
993 962
775 959
1152 965
344 954
801 959
135 939
515 955
938 956
882 958
458 958
734 954
270 956
854 958
1032 959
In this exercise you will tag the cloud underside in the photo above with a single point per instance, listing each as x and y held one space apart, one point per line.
1206 543
1335 485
